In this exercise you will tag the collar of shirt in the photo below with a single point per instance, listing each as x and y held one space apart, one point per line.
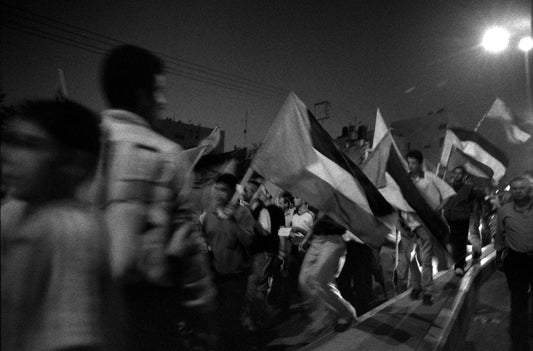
126 116
525 209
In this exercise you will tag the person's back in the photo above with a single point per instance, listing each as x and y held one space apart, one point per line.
55 275
157 253
53 270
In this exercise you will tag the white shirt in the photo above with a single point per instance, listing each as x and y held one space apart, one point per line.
434 190
303 221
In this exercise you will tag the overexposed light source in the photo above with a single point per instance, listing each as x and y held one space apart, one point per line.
495 39
525 44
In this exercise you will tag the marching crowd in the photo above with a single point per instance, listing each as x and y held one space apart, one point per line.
102 248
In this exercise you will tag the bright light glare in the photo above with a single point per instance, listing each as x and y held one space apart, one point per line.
495 39
525 44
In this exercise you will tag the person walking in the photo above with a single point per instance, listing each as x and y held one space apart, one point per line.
514 255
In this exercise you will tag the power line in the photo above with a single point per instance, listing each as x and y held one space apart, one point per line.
176 66
170 59
101 51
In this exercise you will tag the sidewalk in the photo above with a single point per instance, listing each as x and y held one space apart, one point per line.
490 322
403 324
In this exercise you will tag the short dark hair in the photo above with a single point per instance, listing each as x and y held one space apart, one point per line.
70 123
288 197
462 168
75 129
417 155
228 179
519 178
126 70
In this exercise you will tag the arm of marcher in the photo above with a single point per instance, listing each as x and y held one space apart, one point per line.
264 220
446 192
499 237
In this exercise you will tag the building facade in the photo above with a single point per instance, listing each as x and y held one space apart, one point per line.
188 135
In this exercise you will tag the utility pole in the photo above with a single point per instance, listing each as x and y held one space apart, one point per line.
245 127
323 105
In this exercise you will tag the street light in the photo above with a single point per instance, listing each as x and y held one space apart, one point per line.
495 39
525 44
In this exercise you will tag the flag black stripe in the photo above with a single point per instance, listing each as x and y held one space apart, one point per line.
410 192
481 166
323 143
497 153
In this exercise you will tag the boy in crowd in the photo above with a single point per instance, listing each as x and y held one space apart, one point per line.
54 269
269 218
229 230
322 264
461 212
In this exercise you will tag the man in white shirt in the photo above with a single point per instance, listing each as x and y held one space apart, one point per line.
437 193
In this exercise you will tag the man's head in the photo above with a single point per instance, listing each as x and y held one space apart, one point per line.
458 175
223 189
520 188
414 161
133 79
286 201
250 189
48 149
299 203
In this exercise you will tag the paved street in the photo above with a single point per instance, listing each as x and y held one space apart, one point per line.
488 327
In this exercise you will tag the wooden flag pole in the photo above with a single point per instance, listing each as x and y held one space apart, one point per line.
480 121
62 83
243 182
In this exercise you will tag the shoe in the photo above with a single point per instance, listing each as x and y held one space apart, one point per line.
415 293
459 272
427 300
343 324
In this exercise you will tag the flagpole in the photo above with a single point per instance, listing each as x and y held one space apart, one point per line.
243 182
62 83
479 123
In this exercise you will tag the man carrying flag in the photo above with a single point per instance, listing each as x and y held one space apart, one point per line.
479 156
437 193
387 169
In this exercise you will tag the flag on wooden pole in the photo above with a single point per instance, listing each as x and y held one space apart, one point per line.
299 156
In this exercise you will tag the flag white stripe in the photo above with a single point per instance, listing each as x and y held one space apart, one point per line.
474 150
500 112
339 179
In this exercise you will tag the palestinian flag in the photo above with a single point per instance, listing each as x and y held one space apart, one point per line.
483 154
299 156
388 170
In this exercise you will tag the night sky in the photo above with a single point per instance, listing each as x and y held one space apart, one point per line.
227 58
